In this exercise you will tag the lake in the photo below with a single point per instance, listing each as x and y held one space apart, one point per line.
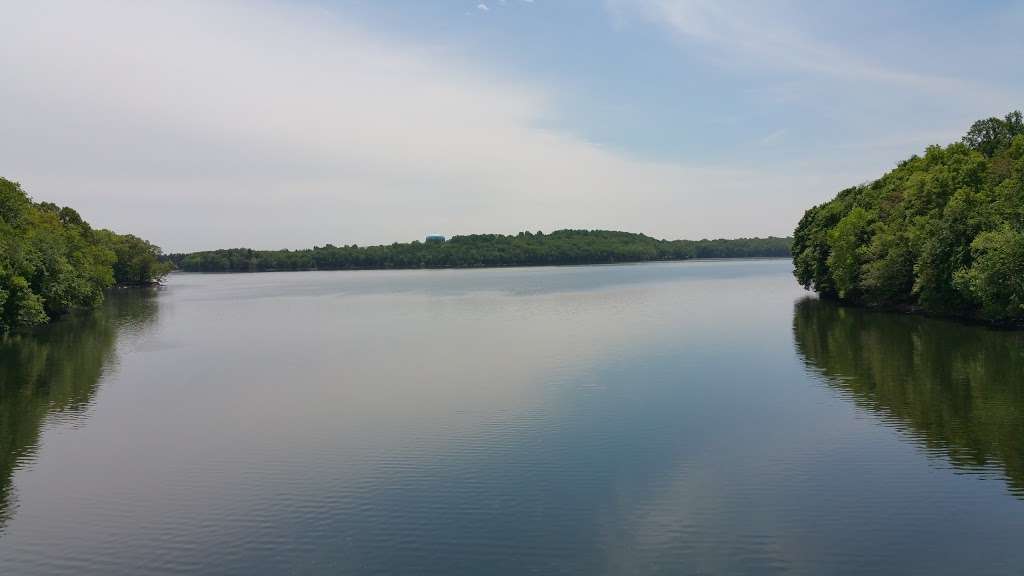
703 417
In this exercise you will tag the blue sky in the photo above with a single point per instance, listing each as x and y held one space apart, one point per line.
626 75
272 124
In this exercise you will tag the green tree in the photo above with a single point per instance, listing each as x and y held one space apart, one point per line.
995 280
992 134
52 261
937 233
846 242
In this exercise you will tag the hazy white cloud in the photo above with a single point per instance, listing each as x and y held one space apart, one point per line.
756 32
770 35
482 7
840 86
201 125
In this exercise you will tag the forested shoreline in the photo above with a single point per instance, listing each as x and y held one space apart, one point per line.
942 233
52 261
561 247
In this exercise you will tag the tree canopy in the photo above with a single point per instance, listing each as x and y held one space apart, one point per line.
481 250
942 232
52 261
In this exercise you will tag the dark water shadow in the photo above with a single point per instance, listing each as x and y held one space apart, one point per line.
53 374
956 390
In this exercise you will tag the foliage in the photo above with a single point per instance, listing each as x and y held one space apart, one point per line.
479 250
940 232
52 261
992 134
996 279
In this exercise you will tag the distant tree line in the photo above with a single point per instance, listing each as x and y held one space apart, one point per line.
484 250
943 232
52 261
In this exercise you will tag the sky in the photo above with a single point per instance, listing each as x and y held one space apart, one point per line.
201 124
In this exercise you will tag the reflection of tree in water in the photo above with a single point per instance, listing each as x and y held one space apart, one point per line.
957 389
54 372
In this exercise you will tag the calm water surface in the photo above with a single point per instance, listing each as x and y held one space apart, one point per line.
680 418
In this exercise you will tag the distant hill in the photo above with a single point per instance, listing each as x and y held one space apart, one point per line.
484 250
942 233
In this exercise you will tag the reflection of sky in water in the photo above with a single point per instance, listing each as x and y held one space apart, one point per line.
615 419
449 282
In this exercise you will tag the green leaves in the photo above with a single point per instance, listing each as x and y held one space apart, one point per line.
992 134
23 308
940 232
995 280
52 261
847 242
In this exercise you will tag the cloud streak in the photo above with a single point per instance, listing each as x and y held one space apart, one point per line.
762 35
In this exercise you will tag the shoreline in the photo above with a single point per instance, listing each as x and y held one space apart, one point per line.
917 311
488 267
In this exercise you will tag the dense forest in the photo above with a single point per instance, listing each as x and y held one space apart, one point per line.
52 261
942 233
480 250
